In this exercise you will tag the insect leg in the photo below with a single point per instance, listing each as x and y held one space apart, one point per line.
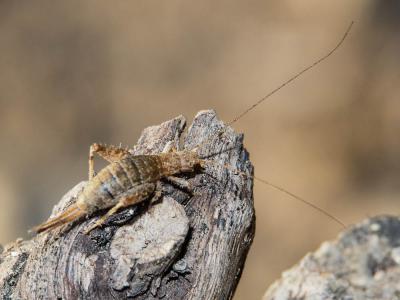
130 197
109 153
180 182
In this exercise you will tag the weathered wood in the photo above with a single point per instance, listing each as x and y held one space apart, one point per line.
362 264
188 245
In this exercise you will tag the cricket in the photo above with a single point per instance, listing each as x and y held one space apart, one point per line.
130 179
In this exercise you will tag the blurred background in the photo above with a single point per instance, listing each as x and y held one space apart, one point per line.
77 72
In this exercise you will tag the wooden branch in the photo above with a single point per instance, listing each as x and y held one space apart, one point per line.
362 264
189 245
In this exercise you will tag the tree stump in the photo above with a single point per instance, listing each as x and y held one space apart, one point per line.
188 245
362 264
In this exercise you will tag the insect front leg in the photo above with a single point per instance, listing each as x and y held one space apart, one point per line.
134 195
109 153
180 182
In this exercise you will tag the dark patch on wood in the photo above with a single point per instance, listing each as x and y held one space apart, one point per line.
11 280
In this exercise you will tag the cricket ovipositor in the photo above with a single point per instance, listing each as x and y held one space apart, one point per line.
130 179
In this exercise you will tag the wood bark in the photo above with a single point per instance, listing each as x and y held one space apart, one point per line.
363 263
191 244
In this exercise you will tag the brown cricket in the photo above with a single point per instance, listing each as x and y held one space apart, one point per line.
127 180
130 179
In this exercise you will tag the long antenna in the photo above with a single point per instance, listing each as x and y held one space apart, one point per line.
324 212
293 78
284 84
281 189
287 82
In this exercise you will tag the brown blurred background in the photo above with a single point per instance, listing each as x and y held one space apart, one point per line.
76 72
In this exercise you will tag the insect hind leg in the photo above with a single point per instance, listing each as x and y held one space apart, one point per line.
130 197
109 153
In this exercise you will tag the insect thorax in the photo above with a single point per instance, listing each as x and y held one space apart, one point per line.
178 162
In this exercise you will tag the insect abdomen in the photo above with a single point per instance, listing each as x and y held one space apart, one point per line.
103 190
142 168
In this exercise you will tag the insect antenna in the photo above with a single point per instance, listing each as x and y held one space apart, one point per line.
221 131
294 77
281 189
323 211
